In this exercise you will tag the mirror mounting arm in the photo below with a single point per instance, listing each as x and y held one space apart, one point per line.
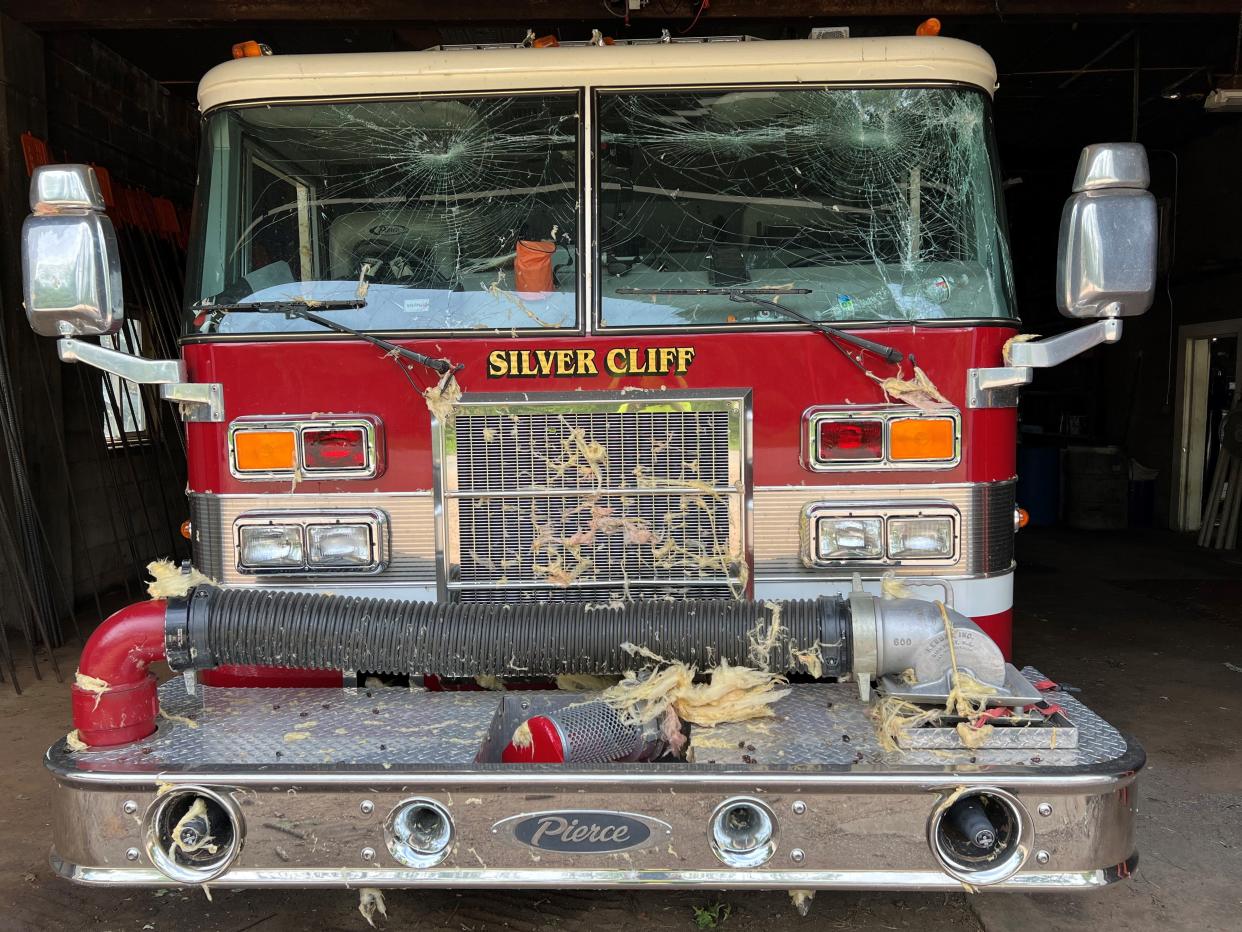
198 401
1043 354
998 387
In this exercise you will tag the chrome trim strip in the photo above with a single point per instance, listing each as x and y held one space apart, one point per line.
559 877
985 527
410 551
66 767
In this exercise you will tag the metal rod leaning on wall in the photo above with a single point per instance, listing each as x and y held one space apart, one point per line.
95 414
32 535
75 511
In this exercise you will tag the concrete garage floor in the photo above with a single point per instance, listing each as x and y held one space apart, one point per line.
1145 624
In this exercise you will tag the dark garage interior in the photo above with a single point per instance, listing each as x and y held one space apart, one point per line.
1128 575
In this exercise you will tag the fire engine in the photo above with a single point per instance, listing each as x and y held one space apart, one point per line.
601 474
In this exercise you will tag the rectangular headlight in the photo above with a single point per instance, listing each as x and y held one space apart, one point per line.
853 538
339 545
920 538
270 545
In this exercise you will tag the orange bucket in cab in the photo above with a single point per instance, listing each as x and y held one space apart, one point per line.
532 267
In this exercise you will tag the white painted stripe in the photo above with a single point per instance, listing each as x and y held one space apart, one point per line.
974 598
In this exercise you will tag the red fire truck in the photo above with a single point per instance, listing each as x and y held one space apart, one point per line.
601 474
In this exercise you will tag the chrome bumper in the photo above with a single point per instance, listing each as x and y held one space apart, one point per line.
314 774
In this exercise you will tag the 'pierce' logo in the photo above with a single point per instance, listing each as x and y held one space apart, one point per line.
583 831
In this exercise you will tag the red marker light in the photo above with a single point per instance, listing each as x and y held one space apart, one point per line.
850 440
335 448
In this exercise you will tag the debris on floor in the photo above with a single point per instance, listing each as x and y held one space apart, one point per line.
802 900
371 901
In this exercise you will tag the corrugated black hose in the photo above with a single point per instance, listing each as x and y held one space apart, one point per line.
213 627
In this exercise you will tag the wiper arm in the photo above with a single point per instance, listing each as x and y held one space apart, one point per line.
753 296
302 310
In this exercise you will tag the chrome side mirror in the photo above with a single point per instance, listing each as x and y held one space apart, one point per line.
71 269
1106 266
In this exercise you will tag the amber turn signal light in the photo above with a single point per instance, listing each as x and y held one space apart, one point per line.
921 438
250 49
265 450
929 27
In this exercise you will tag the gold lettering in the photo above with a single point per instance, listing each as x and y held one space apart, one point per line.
565 362
543 361
615 361
497 364
685 356
586 362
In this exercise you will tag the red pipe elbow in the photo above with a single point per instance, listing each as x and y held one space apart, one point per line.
114 697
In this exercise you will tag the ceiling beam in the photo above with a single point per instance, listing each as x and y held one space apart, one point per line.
147 14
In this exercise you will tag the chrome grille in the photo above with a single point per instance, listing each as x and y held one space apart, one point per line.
594 498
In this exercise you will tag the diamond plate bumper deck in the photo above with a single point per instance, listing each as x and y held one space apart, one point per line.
315 772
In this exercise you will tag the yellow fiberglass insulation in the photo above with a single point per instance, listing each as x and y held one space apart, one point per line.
731 694
919 391
168 580
370 902
443 397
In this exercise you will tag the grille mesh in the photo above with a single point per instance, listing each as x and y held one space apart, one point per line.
588 501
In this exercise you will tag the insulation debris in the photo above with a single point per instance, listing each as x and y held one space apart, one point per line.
170 581
920 391
197 810
490 682
443 397
179 719
522 738
967 699
892 587
91 684
74 741
731 694
1020 338
802 900
370 902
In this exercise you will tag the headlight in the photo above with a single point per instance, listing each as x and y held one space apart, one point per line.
915 538
339 544
311 543
851 538
270 545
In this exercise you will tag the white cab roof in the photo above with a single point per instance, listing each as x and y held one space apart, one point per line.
900 59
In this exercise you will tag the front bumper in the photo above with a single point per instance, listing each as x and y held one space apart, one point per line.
314 774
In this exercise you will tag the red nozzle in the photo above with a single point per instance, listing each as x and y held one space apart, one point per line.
545 745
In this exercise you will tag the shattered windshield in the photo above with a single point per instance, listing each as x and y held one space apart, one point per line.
882 202
442 213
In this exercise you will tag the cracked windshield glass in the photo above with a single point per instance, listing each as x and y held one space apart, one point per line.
442 214
881 201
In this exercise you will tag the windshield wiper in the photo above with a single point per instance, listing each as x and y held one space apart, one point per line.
752 296
303 310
